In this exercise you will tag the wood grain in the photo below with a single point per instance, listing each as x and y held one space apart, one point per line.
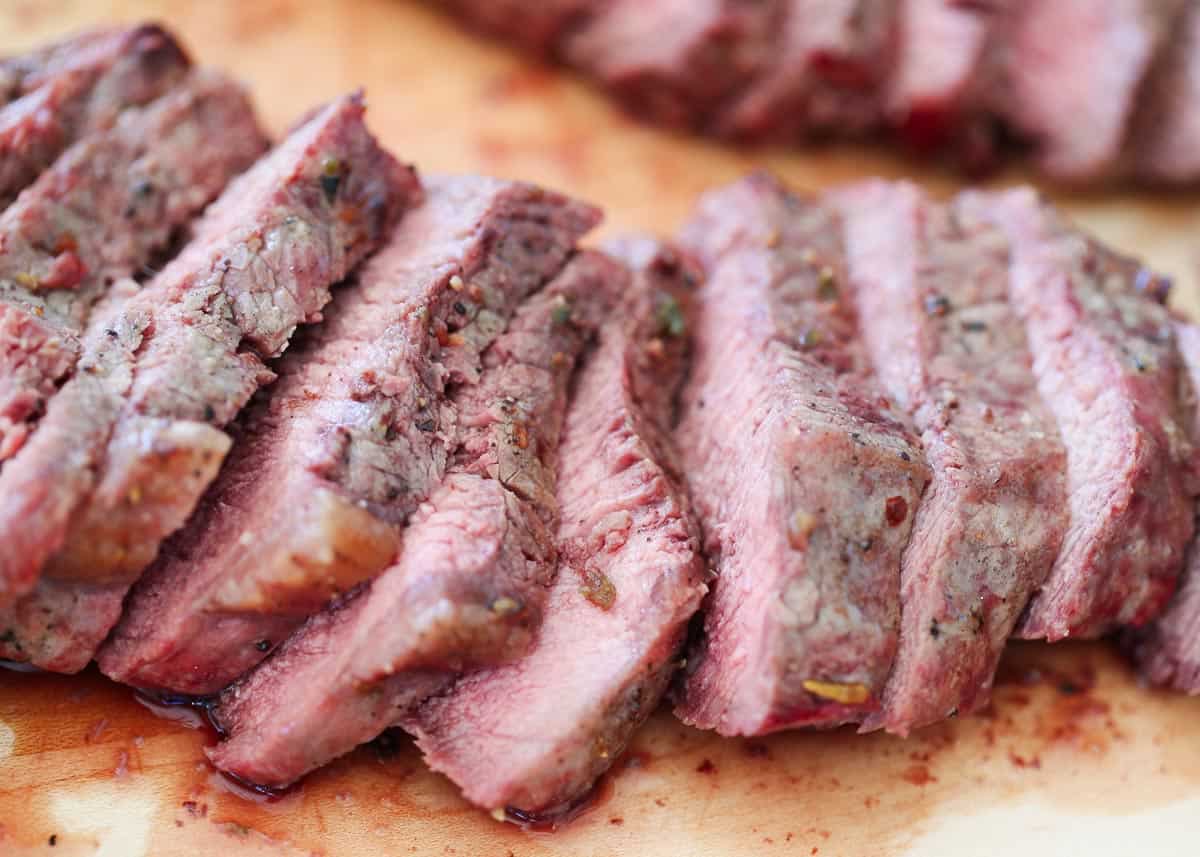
1072 752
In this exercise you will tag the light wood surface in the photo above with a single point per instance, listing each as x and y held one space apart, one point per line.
1073 758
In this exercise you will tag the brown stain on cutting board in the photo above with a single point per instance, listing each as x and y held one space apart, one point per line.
1070 731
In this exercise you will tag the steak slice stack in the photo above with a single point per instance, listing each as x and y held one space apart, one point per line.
530 737
932 295
1168 650
1069 75
804 481
356 433
1108 369
74 96
470 583
673 61
131 442
823 75
108 205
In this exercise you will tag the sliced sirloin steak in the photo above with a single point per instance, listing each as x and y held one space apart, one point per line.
1067 75
540 26
22 73
110 73
804 482
673 61
532 736
1168 650
1109 371
824 74
96 217
355 434
1166 134
932 296
131 441
474 571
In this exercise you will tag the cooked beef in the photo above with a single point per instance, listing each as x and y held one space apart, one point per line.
932 295
539 26
22 73
1108 369
1166 132
106 207
75 97
673 61
131 442
824 73
355 435
1068 75
471 580
805 482
535 734
1168 650
932 96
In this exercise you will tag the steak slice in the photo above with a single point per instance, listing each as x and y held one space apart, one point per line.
1166 133
932 295
804 482
673 61
110 73
76 231
1108 369
824 76
22 73
539 27
356 434
1168 650
172 364
532 736
471 580
1070 73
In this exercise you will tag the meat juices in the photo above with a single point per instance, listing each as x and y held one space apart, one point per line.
1108 369
805 483
932 294
470 584
105 208
62 99
132 440
362 407
530 737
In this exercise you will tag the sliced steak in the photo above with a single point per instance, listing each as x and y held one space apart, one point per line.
1166 135
1168 650
85 94
824 74
1108 369
1069 73
471 581
22 73
166 369
532 736
356 434
106 208
932 295
673 61
540 26
804 481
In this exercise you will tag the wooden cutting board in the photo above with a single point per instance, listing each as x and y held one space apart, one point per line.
1073 756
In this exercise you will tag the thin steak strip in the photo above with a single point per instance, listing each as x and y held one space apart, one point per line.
1166 133
22 73
96 217
804 482
530 737
355 435
1108 369
471 581
110 72
932 295
1168 650
132 441
673 61
823 76
1068 75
